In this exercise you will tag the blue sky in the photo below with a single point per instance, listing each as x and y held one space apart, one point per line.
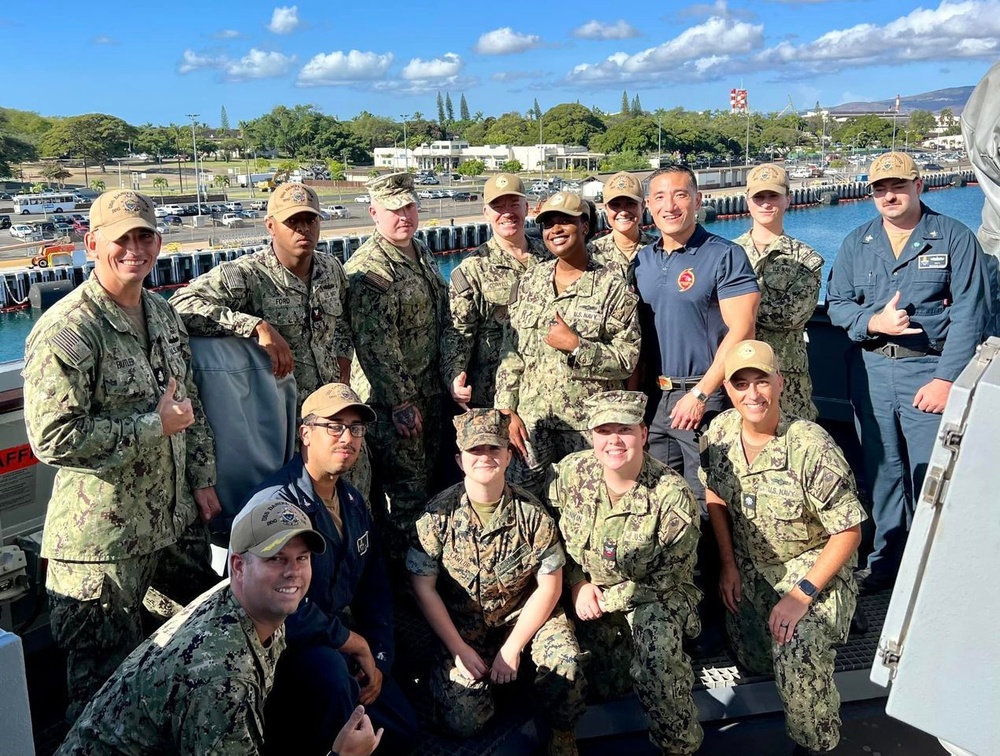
158 62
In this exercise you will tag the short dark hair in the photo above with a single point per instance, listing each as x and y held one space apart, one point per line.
673 168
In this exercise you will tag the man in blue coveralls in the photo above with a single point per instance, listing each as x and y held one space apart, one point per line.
333 663
910 289
699 296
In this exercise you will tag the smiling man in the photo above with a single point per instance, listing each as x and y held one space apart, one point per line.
199 684
786 514
480 291
333 664
911 289
110 402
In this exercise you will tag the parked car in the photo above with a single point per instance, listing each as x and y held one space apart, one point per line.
231 220
5 196
161 212
22 231
249 213
173 220
163 228
424 194
4 221
62 219
933 167
465 197
338 211
364 199
61 228
234 206
258 205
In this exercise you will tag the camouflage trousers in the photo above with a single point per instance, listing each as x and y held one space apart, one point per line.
659 669
360 475
464 707
549 440
96 607
803 668
403 470
796 396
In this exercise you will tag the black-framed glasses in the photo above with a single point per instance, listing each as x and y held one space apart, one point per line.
336 430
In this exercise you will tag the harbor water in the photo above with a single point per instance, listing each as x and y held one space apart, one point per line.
821 226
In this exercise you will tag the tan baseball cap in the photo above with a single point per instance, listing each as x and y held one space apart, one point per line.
118 211
622 184
392 191
266 527
291 198
767 177
566 203
482 427
501 185
893 165
751 354
620 407
328 400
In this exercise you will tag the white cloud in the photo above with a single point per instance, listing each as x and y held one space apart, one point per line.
954 30
516 75
692 54
620 29
284 20
226 34
104 39
344 68
448 64
192 61
425 86
258 64
506 41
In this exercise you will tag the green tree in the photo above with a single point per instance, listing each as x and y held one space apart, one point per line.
635 134
449 109
160 183
440 104
537 110
97 185
636 110
223 120
625 161
511 166
463 109
55 172
222 180
570 123
13 148
471 168
338 171
95 138
626 107
375 131
921 123
864 131
510 128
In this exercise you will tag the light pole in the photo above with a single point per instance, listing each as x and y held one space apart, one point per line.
119 161
659 141
406 151
197 178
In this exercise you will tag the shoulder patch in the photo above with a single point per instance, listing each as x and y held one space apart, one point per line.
814 261
69 343
514 291
827 482
459 281
230 277
377 282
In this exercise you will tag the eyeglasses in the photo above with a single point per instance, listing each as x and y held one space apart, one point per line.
336 430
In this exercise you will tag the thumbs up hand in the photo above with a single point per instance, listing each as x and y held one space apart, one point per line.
561 336
460 392
174 416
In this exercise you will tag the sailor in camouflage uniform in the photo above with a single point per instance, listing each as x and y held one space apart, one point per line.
198 685
289 297
789 274
786 514
480 292
486 569
109 400
624 203
398 307
574 333
631 526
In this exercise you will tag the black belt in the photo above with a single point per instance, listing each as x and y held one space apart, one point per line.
669 383
896 351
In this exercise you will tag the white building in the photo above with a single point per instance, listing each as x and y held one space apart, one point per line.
447 155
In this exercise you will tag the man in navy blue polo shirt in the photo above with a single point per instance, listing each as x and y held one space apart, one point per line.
699 297
910 288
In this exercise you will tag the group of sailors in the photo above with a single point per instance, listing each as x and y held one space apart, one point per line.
637 472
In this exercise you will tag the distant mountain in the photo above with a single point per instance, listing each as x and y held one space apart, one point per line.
953 97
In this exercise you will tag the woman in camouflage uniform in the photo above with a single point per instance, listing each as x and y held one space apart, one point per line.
788 273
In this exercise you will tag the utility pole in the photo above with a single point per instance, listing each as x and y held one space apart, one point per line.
194 145
406 151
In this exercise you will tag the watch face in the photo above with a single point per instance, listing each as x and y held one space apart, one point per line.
807 588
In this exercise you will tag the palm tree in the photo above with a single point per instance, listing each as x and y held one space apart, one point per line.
222 180
160 183
98 185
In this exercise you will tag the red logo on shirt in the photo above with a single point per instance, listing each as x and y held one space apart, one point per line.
686 279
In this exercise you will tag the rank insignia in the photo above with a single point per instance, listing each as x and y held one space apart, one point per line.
317 314
868 239
686 279
610 551
362 543
750 502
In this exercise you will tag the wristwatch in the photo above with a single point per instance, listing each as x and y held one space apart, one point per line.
698 394
807 588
